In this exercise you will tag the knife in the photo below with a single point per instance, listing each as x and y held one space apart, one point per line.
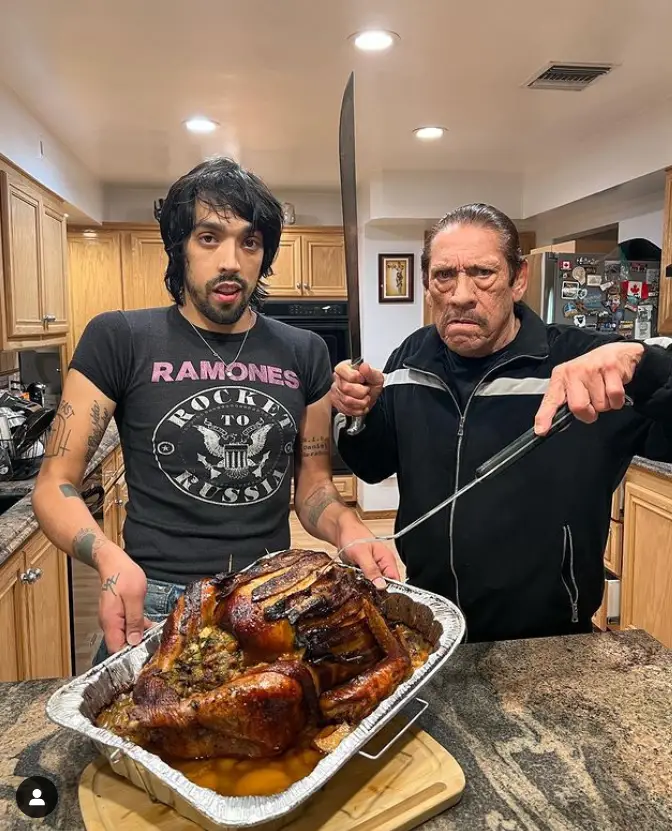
348 171
495 464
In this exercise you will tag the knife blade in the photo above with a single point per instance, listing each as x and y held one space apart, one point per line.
495 464
348 175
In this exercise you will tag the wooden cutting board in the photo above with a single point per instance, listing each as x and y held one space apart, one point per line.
415 780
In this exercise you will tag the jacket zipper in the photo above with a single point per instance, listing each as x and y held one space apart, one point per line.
574 601
460 434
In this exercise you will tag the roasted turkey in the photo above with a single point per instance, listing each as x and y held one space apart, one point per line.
250 661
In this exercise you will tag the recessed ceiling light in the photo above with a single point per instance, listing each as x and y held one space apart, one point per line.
199 124
374 40
429 132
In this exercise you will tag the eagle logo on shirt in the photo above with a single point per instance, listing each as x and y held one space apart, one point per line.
226 445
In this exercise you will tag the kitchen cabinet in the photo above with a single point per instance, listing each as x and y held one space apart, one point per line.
646 589
34 295
34 613
665 290
310 264
143 266
122 267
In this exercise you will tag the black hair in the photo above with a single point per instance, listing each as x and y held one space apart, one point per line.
485 216
223 186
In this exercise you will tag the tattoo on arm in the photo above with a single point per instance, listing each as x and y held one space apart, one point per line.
100 418
318 501
69 491
110 583
59 432
315 446
86 545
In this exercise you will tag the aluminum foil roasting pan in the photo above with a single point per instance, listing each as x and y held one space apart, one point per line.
75 704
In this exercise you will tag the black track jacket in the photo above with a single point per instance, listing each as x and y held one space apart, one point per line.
520 553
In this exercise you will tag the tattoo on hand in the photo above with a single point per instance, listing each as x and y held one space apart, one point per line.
59 432
318 501
316 446
69 491
110 583
100 418
86 545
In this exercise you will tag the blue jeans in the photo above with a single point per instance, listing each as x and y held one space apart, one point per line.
159 603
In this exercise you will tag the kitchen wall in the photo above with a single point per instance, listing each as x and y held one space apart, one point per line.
624 151
386 325
647 226
58 170
135 204
639 202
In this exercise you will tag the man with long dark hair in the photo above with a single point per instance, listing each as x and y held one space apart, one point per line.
522 552
217 406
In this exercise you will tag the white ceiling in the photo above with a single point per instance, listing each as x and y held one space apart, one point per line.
114 80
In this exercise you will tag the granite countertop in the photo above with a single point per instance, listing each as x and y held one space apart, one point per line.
661 468
19 522
553 734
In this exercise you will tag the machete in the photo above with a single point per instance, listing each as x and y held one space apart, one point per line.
348 169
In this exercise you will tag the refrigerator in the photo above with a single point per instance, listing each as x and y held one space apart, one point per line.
603 292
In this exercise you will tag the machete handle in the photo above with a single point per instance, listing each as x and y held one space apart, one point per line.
357 423
523 444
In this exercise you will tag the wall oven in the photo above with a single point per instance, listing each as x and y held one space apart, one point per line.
329 320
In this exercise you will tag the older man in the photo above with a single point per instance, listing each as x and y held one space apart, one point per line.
521 553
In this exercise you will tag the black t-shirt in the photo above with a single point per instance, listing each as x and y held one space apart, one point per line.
464 374
209 460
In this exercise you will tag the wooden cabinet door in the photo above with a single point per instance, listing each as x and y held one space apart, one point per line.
22 259
11 653
646 588
665 290
110 515
95 277
324 265
55 271
121 494
143 268
47 610
286 278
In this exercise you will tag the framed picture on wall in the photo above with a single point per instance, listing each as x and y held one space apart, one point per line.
396 277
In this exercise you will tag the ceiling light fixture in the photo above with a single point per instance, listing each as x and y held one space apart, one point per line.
199 124
429 132
374 40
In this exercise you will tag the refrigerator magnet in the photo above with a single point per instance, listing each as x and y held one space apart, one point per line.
570 290
594 279
579 274
569 310
582 293
565 265
580 321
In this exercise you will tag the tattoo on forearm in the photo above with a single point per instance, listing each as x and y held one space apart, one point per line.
59 432
86 545
110 583
318 501
100 418
315 446
69 491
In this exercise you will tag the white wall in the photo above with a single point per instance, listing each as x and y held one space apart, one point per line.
624 151
639 198
648 226
135 204
386 325
428 195
58 170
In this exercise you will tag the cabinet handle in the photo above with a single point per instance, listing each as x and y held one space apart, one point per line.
118 501
49 319
306 287
31 576
298 285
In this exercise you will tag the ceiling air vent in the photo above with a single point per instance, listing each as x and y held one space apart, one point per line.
568 76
